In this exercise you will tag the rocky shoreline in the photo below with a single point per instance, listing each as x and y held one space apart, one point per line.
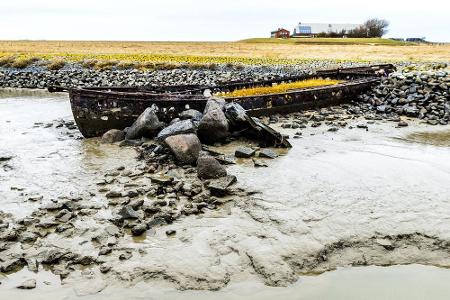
74 75
176 177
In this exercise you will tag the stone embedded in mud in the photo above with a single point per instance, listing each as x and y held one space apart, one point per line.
402 124
32 264
170 232
244 152
219 187
209 168
5 157
181 127
35 198
85 260
105 269
214 125
259 163
185 147
28 237
125 256
113 194
27 284
139 229
51 256
146 125
385 243
127 212
10 235
113 136
226 159
10 265
268 153
161 179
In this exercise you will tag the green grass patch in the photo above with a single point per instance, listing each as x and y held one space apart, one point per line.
329 41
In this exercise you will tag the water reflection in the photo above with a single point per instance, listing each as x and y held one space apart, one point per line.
436 138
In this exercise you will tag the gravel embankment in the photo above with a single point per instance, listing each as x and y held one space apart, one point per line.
73 75
418 94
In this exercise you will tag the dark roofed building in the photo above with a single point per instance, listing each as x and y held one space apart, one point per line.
281 33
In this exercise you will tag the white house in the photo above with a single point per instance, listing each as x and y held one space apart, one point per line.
310 29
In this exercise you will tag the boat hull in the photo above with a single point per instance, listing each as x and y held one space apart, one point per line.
97 110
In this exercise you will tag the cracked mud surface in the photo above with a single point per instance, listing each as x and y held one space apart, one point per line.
347 198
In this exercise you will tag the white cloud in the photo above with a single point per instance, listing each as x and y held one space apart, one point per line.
208 20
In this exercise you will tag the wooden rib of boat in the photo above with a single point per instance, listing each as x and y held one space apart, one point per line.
99 109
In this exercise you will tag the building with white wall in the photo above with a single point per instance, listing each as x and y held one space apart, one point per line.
312 29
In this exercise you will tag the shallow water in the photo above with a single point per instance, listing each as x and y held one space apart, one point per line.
412 282
329 187
47 161
436 138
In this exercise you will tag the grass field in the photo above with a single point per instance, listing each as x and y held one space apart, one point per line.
330 41
147 54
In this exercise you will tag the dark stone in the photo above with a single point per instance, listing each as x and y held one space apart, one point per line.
11 265
139 229
113 136
181 127
5 157
162 179
244 152
213 126
127 212
35 198
105 269
191 114
171 232
146 125
113 194
52 256
219 187
402 124
208 168
185 147
268 153
125 256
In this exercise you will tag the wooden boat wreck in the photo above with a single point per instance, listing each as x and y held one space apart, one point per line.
99 109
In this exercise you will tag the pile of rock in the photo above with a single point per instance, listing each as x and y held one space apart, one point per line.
420 94
184 135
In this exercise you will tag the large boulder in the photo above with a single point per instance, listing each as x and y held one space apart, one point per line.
185 147
113 136
213 127
191 114
236 115
209 168
180 127
146 125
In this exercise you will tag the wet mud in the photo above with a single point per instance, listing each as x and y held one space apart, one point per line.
374 195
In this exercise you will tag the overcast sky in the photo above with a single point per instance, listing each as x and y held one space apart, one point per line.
209 20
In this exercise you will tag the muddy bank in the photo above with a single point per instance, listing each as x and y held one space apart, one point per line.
412 282
366 194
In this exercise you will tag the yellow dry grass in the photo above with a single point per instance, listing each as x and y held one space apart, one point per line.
280 88
221 52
